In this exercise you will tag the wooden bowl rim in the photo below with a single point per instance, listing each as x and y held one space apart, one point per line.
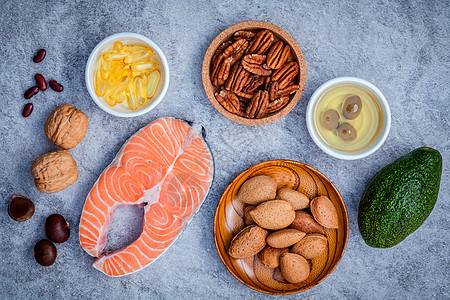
225 34
265 164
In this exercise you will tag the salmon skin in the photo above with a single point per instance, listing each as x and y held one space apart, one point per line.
167 168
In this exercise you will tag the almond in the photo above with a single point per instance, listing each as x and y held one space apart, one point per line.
297 199
324 212
248 242
294 267
270 257
257 189
306 223
274 214
311 246
247 218
284 238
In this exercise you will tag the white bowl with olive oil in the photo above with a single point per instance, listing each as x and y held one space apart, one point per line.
348 118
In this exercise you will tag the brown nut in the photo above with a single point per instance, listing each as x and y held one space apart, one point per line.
285 238
54 171
294 268
286 74
324 212
270 257
228 100
288 90
261 42
278 54
257 190
248 242
66 126
20 208
273 90
306 223
257 59
297 199
256 69
258 105
248 220
244 34
277 105
254 83
274 214
311 246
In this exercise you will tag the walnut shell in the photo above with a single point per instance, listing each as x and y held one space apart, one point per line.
54 171
66 126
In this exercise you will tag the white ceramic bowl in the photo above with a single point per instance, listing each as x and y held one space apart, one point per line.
122 109
311 110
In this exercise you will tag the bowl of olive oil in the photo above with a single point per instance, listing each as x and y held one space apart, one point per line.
348 118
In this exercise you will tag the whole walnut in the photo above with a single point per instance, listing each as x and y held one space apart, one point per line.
66 126
54 171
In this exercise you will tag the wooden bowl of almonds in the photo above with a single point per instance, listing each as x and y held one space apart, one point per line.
254 73
281 227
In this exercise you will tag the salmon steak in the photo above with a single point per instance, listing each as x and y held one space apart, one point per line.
166 168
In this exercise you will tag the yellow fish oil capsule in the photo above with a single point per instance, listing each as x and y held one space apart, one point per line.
138 56
119 87
99 84
131 97
140 90
116 73
116 55
145 66
117 46
152 83
134 48
105 68
122 97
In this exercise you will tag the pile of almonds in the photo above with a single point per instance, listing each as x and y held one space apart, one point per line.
255 74
279 231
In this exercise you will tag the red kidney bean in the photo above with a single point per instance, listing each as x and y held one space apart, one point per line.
56 86
27 110
31 92
40 55
40 80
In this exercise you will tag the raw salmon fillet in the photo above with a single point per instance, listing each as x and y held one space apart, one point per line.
167 168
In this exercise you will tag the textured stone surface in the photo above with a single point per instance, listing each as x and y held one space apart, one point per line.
402 47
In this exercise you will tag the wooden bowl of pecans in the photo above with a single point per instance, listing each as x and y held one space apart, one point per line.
254 73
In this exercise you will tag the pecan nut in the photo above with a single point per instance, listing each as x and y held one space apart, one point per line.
288 90
286 74
258 105
254 83
256 69
258 59
224 61
278 54
277 105
273 90
235 51
229 101
219 51
245 95
221 72
244 34
237 79
261 42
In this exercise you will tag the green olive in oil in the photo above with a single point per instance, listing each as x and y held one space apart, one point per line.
348 117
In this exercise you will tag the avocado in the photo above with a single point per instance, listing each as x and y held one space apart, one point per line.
399 198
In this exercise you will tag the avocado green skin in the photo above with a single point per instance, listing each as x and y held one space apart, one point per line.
399 198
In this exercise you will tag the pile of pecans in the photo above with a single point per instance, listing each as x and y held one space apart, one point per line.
254 73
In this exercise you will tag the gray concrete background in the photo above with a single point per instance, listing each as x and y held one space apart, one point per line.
400 46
